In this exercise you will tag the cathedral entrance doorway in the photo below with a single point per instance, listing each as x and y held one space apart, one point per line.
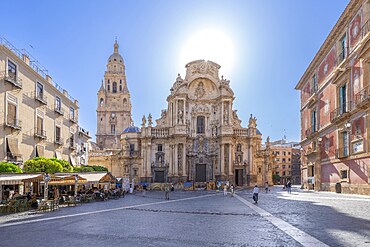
238 177
159 177
200 173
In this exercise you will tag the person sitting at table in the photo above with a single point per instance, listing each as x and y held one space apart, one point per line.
16 195
33 202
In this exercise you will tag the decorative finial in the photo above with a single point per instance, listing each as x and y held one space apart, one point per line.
143 121
150 120
115 46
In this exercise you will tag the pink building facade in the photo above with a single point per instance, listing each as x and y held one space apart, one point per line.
335 107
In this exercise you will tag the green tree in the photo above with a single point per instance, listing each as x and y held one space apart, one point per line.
99 168
41 164
83 169
67 167
6 167
276 178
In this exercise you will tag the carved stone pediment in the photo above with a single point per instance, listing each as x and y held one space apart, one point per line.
200 108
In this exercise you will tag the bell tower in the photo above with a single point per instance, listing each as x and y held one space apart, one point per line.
114 104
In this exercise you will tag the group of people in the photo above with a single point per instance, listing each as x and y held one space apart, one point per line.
232 188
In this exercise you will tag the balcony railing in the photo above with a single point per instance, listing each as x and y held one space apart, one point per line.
342 152
241 132
365 29
342 56
13 79
41 97
363 97
72 145
132 154
40 133
58 109
313 89
341 111
160 132
58 140
73 119
310 131
14 123
10 157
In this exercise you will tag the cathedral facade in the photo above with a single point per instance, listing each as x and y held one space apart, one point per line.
199 138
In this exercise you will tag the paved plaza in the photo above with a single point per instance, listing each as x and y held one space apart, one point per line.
199 218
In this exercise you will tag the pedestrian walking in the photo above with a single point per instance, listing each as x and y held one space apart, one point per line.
256 190
289 187
167 192
225 190
144 189
266 187
232 190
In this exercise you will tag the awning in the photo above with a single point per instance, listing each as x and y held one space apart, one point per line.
108 178
40 178
58 155
11 179
70 179
73 162
40 151
13 146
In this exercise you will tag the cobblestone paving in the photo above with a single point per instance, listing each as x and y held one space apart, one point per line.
196 218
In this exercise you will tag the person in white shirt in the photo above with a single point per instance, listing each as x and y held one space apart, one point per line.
256 190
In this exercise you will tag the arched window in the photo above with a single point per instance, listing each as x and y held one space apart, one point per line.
200 125
113 129
101 101
120 85
239 148
114 87
108 85
124 102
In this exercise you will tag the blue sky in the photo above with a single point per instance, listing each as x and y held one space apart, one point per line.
268 46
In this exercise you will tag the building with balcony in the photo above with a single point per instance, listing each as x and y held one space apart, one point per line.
35 111
286 162
335 109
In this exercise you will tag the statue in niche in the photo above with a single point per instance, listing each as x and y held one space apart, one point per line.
226 116
199 91
214 130
143 121
160 160
150 120
180 116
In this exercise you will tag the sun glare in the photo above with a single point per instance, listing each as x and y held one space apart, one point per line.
209 44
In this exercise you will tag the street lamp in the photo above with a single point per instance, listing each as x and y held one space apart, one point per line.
47 178
76 183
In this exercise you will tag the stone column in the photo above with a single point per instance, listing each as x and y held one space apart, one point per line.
176 171
184 160
231 172
148 160
222 159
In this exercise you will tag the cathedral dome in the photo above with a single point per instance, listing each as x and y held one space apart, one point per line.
115 57
131 129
